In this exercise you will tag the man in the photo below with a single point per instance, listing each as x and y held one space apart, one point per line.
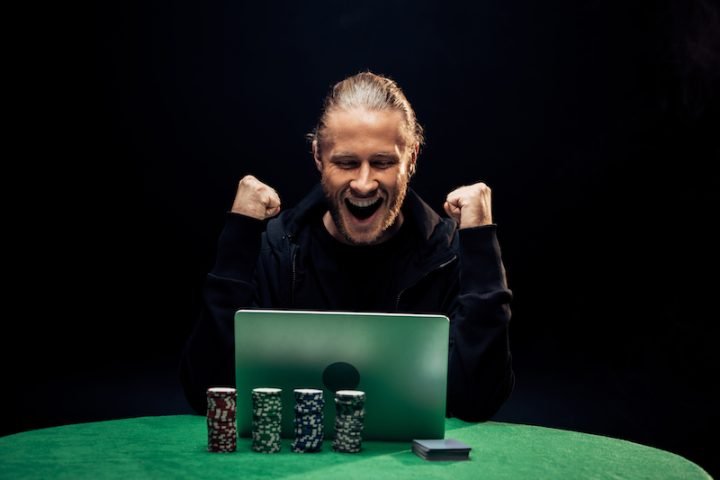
363 242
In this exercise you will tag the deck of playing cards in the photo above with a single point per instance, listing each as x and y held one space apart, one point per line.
444 449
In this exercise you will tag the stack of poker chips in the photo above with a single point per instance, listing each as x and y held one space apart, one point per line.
349 420
309 418
221 407
266 420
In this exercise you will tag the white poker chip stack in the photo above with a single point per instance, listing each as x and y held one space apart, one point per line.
349 420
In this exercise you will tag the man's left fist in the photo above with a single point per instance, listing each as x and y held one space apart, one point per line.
470 206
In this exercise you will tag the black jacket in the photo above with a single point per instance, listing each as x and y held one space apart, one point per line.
458 273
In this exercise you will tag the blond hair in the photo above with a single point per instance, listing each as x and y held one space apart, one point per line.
373 92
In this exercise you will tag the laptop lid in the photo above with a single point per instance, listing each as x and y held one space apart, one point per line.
399 360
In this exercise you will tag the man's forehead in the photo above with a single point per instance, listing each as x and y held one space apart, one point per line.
365 125
360 116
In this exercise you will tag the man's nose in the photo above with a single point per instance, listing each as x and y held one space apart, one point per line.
363 183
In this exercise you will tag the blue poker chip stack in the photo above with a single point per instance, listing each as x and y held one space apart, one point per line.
309 418
267 414
349 420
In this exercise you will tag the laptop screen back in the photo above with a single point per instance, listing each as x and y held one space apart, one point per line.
399 361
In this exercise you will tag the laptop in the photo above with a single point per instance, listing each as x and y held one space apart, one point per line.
399 360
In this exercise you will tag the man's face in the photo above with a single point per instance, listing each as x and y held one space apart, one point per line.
364 165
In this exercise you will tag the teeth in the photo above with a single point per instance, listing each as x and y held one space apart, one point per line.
362 202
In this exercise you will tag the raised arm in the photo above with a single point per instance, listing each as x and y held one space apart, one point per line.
207 359
480 376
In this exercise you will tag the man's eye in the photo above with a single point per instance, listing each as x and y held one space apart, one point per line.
382 165
347 165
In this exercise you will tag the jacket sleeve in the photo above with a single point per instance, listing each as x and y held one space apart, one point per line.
480 375
207 359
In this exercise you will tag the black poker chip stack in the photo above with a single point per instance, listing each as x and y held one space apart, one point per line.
349 420
221 408
309 418
266 422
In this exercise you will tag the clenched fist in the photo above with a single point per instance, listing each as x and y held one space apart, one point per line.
470 206
255 199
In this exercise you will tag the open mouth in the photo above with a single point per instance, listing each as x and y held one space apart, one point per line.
361 208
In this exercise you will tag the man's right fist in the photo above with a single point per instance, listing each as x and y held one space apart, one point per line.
255 199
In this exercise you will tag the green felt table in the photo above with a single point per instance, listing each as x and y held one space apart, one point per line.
176 447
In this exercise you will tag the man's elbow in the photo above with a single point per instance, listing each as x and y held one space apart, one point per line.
193 393
478 406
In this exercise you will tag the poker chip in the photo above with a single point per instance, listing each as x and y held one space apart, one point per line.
222 430
266 420
267 416
309 420
349 421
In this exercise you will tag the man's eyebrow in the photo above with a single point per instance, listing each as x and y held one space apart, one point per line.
352 156
392 155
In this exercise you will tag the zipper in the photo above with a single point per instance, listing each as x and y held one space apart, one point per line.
432 270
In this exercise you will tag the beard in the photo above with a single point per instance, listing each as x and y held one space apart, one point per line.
382 221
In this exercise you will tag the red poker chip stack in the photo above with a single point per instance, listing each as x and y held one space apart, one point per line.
222 431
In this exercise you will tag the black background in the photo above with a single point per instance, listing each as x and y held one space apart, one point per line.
595 123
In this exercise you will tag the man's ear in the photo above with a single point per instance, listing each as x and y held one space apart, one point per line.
413 159
316 156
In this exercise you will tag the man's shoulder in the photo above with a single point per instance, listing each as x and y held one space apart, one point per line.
426 220
292 221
